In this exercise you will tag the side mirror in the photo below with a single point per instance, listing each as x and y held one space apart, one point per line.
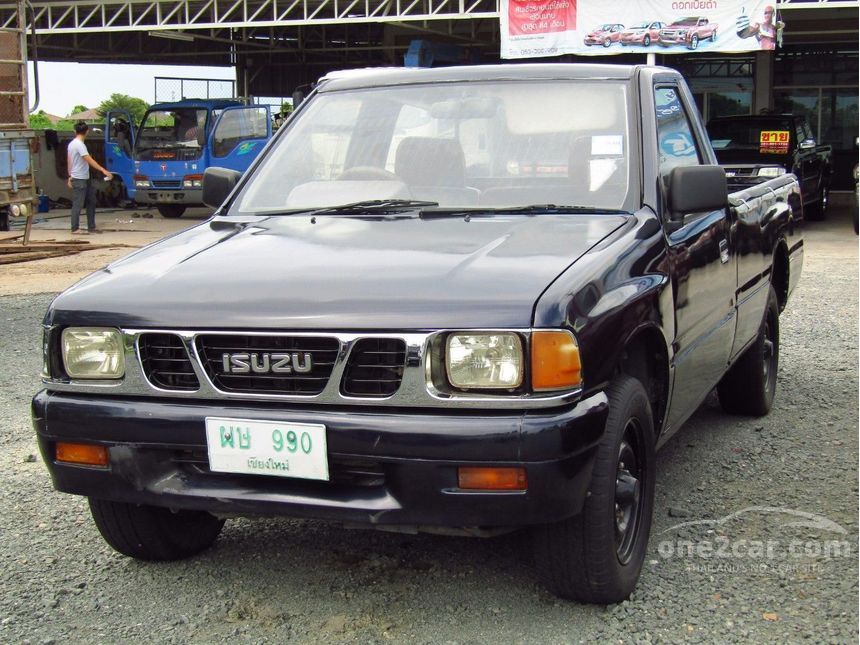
218 183
696 189
807 144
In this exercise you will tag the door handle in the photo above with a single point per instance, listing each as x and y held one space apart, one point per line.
724 251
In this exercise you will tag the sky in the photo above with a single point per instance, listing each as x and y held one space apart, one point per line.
65 85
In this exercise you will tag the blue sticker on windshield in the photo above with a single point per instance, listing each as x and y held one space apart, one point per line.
678 144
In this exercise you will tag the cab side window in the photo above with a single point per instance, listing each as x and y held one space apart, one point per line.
676 144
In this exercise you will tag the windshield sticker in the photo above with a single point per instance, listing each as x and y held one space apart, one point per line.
773 141
719 144
610 145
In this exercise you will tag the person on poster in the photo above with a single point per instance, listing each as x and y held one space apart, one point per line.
766 32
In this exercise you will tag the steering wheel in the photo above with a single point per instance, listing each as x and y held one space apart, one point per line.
367 173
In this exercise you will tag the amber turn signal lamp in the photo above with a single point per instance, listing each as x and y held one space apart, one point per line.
555 360
82 453
475 478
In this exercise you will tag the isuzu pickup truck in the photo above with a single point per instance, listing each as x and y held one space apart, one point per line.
463 300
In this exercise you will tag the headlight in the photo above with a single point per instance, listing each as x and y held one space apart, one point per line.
770 171
93 353
141 182
484 361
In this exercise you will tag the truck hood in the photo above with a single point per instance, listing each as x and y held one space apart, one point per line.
337 272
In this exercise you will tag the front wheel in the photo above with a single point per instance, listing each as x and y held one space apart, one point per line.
171 211
714 36
607 42
596 556
694 42
153 533
646 41
749 386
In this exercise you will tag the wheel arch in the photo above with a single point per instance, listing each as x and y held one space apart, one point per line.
645 357
780 273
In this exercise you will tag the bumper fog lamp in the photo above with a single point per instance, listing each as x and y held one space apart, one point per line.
93 353
482 478
82 453
484 361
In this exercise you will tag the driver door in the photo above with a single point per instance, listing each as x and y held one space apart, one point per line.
239 135
119 143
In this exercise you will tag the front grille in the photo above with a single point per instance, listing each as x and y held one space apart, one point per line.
299 376
341 470
165 362
375 367
166 183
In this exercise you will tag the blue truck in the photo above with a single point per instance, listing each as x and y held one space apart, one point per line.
162 162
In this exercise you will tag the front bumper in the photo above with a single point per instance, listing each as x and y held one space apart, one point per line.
397 468
190 196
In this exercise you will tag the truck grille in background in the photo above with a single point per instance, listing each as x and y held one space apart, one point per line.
323 351
165 362
375 367
166 183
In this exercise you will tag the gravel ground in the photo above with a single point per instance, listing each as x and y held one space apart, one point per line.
274 580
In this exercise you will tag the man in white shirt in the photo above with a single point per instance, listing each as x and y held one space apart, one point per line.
83 188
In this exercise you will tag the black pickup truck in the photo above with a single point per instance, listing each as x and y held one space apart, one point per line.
756 148
464 300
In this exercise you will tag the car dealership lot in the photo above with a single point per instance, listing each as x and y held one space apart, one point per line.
749 577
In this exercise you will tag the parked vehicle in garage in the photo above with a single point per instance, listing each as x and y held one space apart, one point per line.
420 329
163 161
644 34
753 148
689 31
604 35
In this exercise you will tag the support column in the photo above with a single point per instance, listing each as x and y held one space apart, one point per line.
763 82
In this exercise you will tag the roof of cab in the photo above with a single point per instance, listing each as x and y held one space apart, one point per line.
215 104
386 76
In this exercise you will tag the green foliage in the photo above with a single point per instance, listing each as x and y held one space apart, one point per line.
79 108
64 125
286 108
40 121
137 107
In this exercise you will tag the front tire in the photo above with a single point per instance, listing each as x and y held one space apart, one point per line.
607 42
171 211
694 42
153 533
596 556
646 41
749 387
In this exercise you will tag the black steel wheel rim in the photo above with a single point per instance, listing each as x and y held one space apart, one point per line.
629 496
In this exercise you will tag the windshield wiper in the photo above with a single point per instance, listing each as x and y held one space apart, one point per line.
368 206
531 208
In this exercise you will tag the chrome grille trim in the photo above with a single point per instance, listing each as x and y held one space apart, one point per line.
416 388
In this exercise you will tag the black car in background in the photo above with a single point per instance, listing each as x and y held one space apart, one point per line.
753 148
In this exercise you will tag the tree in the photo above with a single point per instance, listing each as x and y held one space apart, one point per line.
79 108
137 107
286 107
40 121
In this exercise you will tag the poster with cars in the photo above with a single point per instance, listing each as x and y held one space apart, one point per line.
540 28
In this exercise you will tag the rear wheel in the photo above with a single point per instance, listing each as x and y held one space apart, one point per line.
171 211
749 386
596 556
153 533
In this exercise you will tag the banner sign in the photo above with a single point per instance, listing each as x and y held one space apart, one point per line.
538 28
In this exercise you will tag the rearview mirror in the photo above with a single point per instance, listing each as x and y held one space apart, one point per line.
218 183
807 144
696 189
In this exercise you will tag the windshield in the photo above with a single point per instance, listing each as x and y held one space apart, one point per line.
462 145
177 134
749 134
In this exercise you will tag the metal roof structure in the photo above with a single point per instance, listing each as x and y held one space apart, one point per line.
279 44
